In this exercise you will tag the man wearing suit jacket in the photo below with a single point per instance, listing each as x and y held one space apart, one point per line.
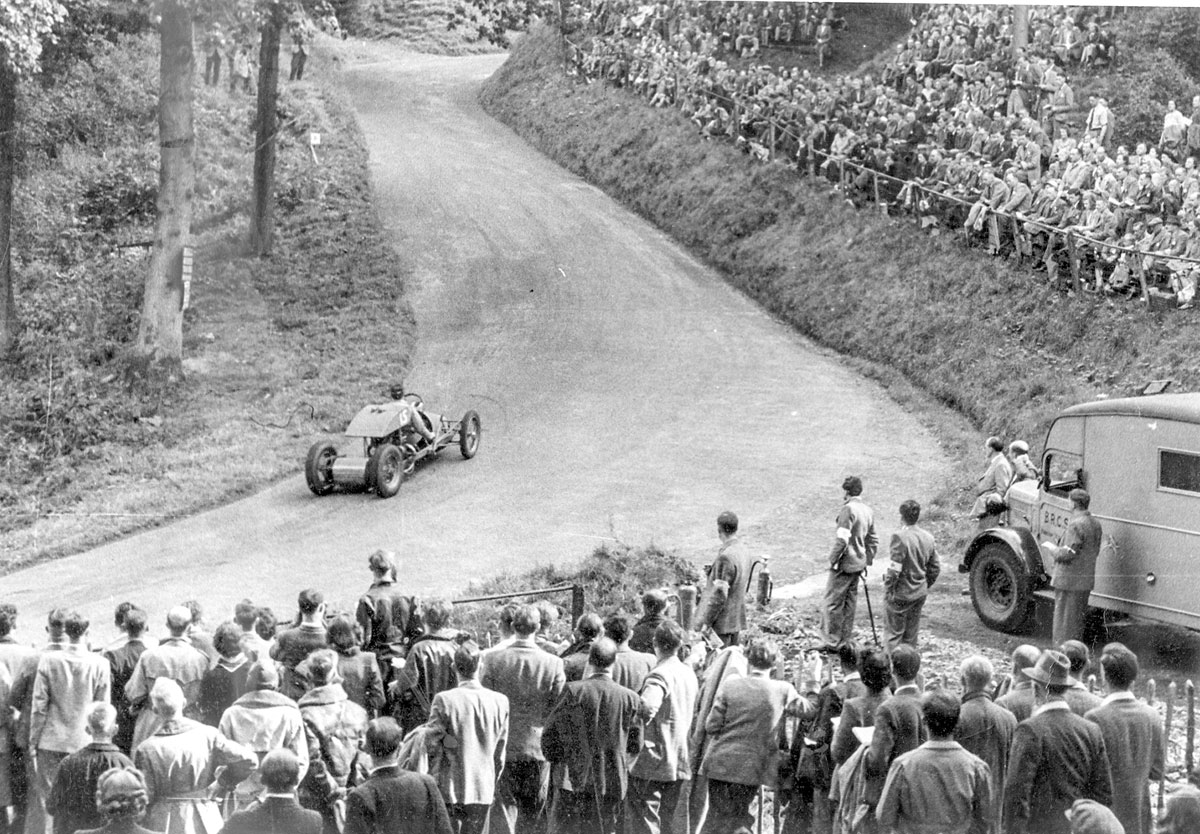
663 764
899 724
391 800
994 481
1074 568
470 728
725 594
594 729
278 811
984 728
1057 757
1133 739
853 552
1019 698
532 680
911 572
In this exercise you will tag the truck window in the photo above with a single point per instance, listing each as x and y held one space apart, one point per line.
1179 471
1062 471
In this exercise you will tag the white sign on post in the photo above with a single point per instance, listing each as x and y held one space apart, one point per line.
187 276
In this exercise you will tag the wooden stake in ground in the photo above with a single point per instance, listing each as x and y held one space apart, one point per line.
1189 751
1170 703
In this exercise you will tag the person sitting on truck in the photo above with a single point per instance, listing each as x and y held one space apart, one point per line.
1024 469
414 415
993 483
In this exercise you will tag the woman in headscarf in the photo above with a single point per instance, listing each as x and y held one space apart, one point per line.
121 798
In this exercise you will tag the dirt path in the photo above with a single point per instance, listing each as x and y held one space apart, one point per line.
624 390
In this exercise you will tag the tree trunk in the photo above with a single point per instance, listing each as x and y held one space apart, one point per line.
262 223
1020 28
8 121
160 335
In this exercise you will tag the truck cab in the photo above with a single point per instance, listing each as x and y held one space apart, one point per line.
1139 458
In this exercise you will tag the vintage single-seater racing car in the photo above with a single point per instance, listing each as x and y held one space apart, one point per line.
392 444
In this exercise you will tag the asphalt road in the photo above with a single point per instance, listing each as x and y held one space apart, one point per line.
625 391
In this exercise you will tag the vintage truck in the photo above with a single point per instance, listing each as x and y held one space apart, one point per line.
1139 458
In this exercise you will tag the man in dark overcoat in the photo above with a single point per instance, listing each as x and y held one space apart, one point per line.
391 800
984 728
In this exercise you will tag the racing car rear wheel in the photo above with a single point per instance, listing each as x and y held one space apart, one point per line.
318 467
468 435
385 470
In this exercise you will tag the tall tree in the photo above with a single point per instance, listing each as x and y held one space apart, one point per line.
158 351
24 25
262 221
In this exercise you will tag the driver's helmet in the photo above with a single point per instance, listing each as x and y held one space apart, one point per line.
396 390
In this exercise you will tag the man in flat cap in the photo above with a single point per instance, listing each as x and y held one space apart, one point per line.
1057 757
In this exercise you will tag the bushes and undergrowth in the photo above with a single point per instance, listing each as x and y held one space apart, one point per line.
997 344
267 355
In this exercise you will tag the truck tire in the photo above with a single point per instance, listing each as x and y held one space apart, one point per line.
386 470
1000 589
318 467
469 431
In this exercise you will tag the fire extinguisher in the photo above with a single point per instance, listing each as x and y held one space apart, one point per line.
765 585
688 595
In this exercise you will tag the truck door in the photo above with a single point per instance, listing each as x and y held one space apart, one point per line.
1062 471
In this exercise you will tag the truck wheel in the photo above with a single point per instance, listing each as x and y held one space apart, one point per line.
386 466
318 467
468 435
1000 589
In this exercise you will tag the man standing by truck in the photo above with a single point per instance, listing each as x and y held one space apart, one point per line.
1074 568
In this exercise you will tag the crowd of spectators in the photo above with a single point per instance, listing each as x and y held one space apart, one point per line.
390 719
955 130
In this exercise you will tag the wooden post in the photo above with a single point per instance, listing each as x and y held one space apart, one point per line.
1189 759
875 183
1151 691
1170 704
1141 276
1091 683
1073 261
771 153
842 174
577 602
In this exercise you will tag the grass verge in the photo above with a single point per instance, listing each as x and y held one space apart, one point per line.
276 350
421 25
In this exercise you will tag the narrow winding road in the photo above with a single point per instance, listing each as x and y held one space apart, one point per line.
626 392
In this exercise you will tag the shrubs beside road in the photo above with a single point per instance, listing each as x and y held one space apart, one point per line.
1005 349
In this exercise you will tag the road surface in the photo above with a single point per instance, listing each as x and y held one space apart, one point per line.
626 392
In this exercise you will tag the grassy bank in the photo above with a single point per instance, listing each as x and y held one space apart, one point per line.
421 25
275 350
998 345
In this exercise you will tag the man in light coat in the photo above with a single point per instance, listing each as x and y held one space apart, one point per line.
854 548
532 680
911 572
663 764
181 763
263 720
939 786
175 658
469 727
20 663
725 593
994 481
67 682
985 729
1074 568
1133 739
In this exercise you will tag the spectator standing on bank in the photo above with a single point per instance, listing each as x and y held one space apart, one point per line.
984 728
174 658
387 617
725 593
532 680
744 728
899 725
470 728
334 727
358 670
72 802
663 765
391 800
593 729
630 668
262 720
294 645
939 786
1074 568
278 812
654 614
1019 699
428 669
301 31
1080 699
65 685
854 548
913 569
1057 757
1133 739
122 660
587 628
241 70
214 44
225 682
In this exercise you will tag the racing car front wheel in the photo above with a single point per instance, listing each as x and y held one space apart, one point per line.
468 435
318 467
385 468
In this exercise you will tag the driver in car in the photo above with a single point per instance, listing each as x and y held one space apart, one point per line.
413 415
